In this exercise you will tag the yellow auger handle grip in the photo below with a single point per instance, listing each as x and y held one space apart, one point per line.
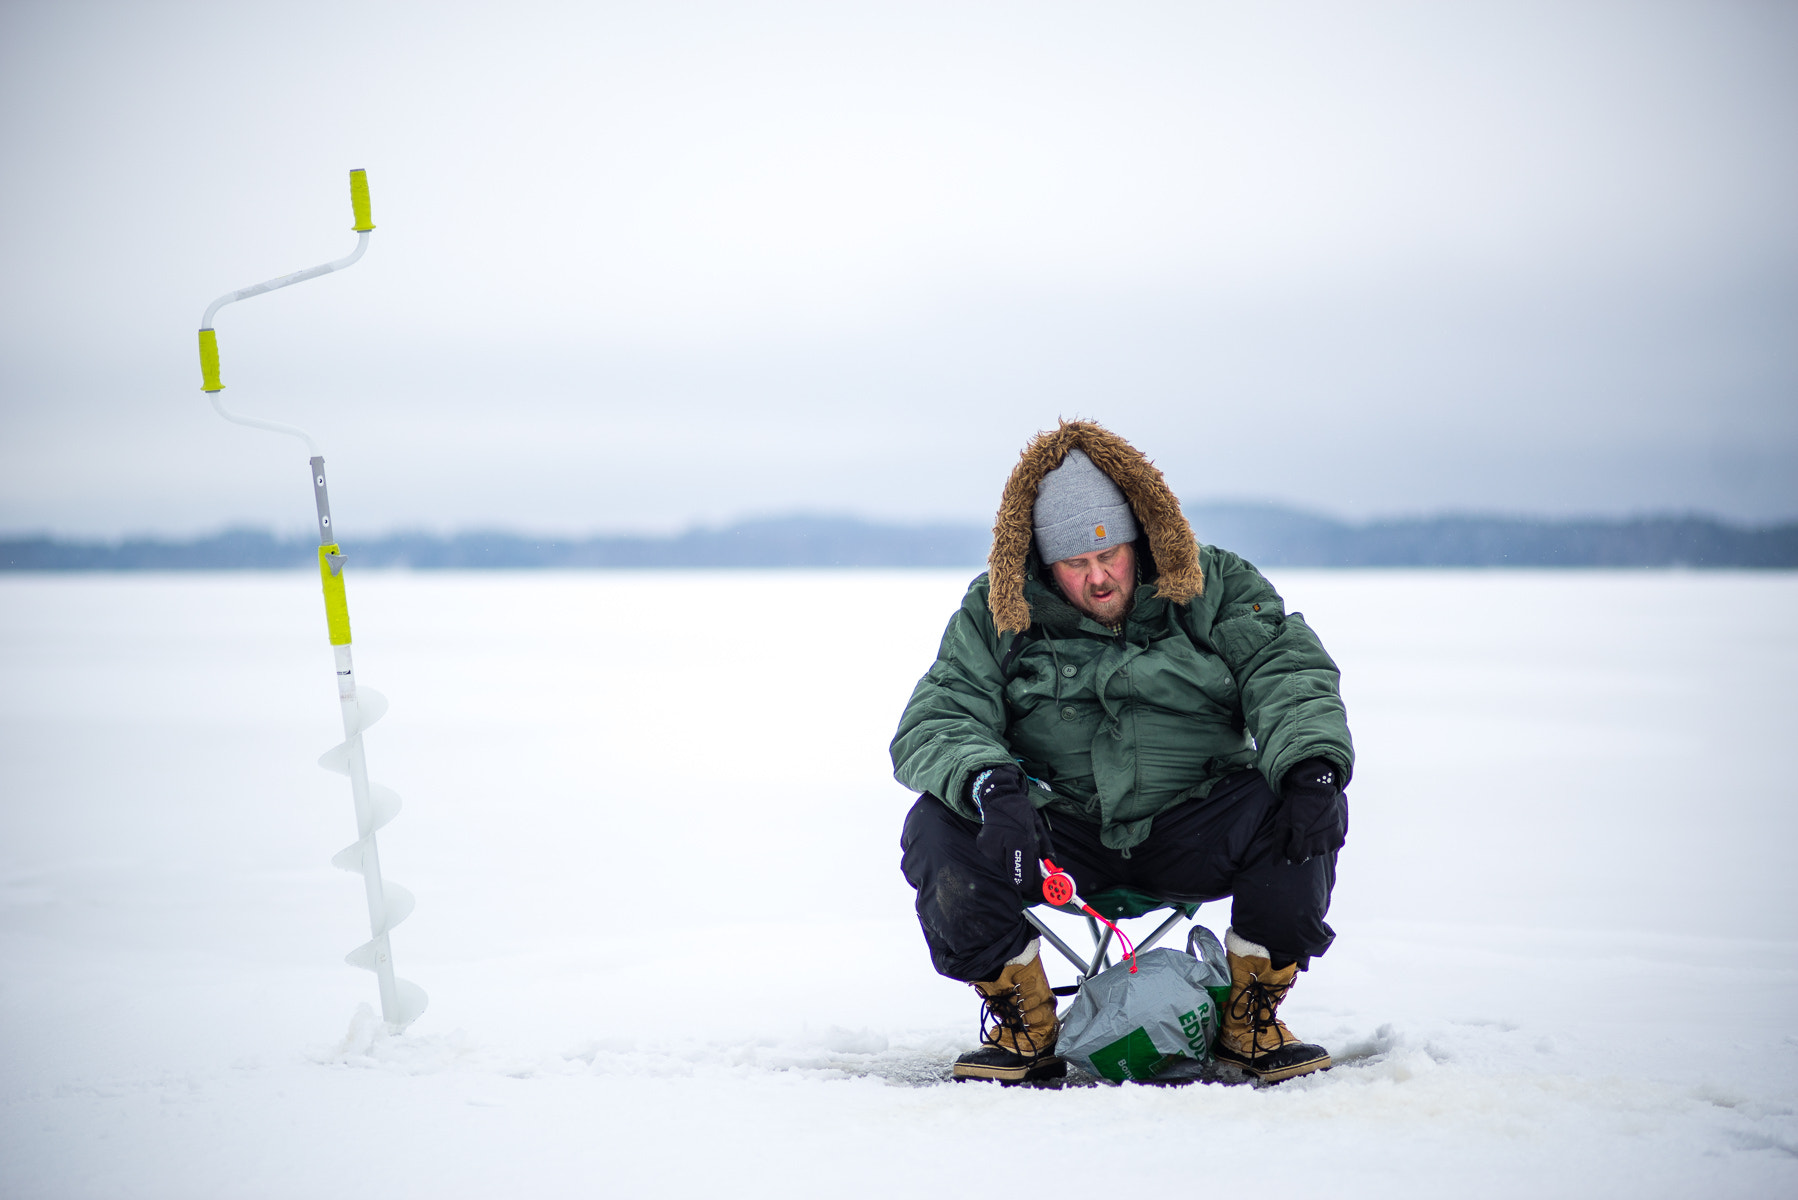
209 361
359 200
337 605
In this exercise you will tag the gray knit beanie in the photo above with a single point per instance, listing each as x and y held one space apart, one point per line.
1080 510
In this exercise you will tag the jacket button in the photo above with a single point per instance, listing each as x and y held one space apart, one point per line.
1068 714
1070 672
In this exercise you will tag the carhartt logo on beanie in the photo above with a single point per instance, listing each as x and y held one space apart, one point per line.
1079 510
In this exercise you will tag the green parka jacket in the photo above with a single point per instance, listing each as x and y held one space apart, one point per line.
1119 728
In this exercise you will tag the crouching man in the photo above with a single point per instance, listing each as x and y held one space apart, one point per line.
1149 705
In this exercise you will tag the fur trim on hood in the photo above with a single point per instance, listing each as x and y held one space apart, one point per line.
1171 543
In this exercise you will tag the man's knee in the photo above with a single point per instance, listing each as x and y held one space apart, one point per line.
933 833
970 915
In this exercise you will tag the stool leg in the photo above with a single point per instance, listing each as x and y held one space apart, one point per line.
1160 931
1055 941
1100 959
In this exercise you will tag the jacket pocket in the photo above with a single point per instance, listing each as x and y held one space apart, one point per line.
1241 639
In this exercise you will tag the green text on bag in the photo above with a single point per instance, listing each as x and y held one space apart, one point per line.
1132 1056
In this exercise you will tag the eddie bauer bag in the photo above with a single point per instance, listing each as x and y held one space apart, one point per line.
1133 1026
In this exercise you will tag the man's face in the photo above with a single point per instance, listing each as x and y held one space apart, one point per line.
1099 584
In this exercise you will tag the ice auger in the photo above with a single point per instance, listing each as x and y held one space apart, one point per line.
388 903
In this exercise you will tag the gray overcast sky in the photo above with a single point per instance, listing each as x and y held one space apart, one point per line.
644 265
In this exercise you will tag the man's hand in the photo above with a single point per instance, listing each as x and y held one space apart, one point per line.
1313 815
1014 834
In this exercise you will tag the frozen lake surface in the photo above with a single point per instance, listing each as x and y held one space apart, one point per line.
652 829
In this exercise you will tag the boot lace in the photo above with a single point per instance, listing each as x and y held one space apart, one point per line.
1004 1013
1258 1004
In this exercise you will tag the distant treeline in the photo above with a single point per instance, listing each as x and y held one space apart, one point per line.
1264 534
1281 537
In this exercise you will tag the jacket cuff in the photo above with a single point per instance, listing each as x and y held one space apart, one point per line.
961 798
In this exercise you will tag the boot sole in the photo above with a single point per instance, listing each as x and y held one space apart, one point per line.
1048 1068
1274 1075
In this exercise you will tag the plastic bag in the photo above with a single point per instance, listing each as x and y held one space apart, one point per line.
1123 1026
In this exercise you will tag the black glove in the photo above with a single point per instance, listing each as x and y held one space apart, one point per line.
1014 834
1313 815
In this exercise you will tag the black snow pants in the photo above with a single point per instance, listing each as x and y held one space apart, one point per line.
1222 845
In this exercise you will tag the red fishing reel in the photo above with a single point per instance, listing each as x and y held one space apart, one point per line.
1059 890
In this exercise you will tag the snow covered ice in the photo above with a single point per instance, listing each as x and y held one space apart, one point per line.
669 951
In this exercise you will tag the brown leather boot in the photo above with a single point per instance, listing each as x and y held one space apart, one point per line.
1253 1037
1018 1027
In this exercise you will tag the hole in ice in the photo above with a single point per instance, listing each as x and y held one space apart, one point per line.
854 1041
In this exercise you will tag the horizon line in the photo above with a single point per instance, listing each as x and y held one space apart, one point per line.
945 524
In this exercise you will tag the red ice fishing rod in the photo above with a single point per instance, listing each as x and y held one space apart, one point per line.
1059 890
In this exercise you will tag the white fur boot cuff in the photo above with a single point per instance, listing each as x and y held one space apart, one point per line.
1027 953
1241 947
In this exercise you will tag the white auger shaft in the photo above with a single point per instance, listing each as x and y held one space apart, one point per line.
388 903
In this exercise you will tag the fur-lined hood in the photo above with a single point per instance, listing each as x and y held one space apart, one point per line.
1172 547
